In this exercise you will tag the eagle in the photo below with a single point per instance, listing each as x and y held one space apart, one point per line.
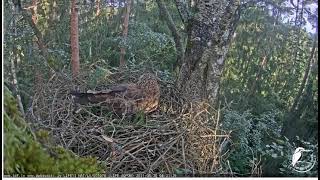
125 99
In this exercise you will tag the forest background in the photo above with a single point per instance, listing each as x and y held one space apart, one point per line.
260 79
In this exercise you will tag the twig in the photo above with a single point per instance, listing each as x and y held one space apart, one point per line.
183 153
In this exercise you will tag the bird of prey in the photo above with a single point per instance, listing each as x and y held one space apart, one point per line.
125 99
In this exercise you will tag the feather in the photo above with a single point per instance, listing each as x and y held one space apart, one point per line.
124 98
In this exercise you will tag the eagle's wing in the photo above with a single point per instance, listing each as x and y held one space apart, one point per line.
97 96
110 90
118 98
122 99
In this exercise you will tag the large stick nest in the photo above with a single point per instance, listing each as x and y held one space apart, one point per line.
179 138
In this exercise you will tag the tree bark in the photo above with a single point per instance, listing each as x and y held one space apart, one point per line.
15 85
125 34
75 59
40 40
15 57
34 11
176 36
209 34
97 7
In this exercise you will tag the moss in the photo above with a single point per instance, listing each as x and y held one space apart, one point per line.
24 155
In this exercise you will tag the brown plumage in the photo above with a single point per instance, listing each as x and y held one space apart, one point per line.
125 99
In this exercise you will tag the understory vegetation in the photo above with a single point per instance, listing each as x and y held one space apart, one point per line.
31 153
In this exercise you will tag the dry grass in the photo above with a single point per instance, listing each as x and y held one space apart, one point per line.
179 138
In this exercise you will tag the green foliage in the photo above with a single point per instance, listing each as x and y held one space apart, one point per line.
146 45
246 140
263 73
255 137
149 40
240 125
97 76
24 155
261 91
265 64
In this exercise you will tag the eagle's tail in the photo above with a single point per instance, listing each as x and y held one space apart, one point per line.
81 98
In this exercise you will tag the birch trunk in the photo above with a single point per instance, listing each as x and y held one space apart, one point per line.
209 34
15 58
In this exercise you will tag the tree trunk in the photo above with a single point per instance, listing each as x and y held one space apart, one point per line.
125 34
13 58
176 36
209 34
292 118
295 125
75 62
306 74
34 11
97 7
15 85
40 41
